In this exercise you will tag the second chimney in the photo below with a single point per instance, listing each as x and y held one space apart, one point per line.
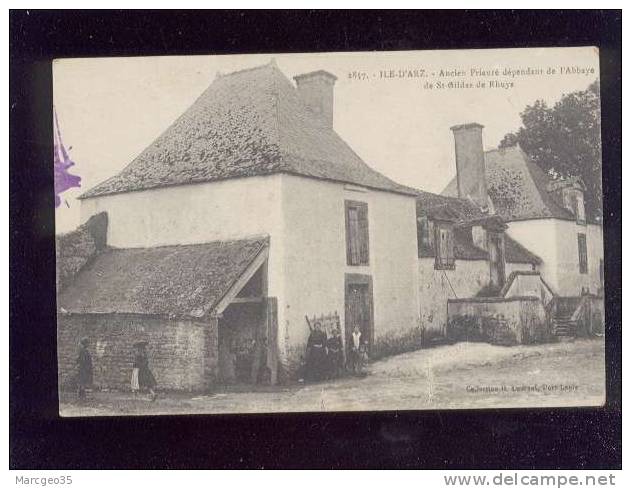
470 167
316 91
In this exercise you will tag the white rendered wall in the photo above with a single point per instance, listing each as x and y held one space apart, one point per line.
465 280
315 257
197 213
555 242
540 237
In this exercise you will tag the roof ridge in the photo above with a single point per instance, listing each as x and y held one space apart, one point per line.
264 238
270 64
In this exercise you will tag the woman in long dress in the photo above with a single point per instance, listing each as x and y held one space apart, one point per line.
142 378
316 367
335 356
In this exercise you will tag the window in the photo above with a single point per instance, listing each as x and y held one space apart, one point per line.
579 207
582 253
444 237
356 233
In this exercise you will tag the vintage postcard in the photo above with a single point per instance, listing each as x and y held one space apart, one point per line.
329 232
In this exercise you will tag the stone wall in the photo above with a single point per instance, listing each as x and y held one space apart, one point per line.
506 321
467 279
182 353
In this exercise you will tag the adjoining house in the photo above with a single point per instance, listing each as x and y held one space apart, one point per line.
191 303
463 252
543 214
250 214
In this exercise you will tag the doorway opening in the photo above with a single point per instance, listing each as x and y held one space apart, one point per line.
359 309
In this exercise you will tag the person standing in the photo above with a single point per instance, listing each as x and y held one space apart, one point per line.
316 354
84 364
356 354
334 347
142 378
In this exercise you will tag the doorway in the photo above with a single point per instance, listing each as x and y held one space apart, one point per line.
237 342
359 309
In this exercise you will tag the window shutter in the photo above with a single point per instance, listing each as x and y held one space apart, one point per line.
450 247
356 233
354 236
438 246
362 215
582 253
349 233
444 246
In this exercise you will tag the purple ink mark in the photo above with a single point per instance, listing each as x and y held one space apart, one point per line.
63 179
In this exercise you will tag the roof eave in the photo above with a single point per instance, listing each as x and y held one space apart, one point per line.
410 193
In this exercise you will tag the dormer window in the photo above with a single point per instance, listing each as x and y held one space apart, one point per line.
579 207
573 201
571 193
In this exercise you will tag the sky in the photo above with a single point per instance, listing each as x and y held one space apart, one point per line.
110 109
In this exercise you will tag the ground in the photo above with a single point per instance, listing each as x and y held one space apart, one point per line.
460 376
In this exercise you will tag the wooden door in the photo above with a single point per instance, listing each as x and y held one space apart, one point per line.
359 312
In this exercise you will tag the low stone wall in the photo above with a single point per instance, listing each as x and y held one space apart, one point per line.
467 279
437 286
182 353
505 321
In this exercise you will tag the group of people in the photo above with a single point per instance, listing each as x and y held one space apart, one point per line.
325 356
142 379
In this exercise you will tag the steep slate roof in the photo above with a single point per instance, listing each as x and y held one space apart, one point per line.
435 206
250 122
517 187
169 280
516 253
464 214
73 250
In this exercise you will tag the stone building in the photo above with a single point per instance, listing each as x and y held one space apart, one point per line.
254 158
463 252
545 215
250 213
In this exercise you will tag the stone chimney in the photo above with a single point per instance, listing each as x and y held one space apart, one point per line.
470 167
316 91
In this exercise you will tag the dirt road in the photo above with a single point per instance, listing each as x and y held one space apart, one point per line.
460 376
